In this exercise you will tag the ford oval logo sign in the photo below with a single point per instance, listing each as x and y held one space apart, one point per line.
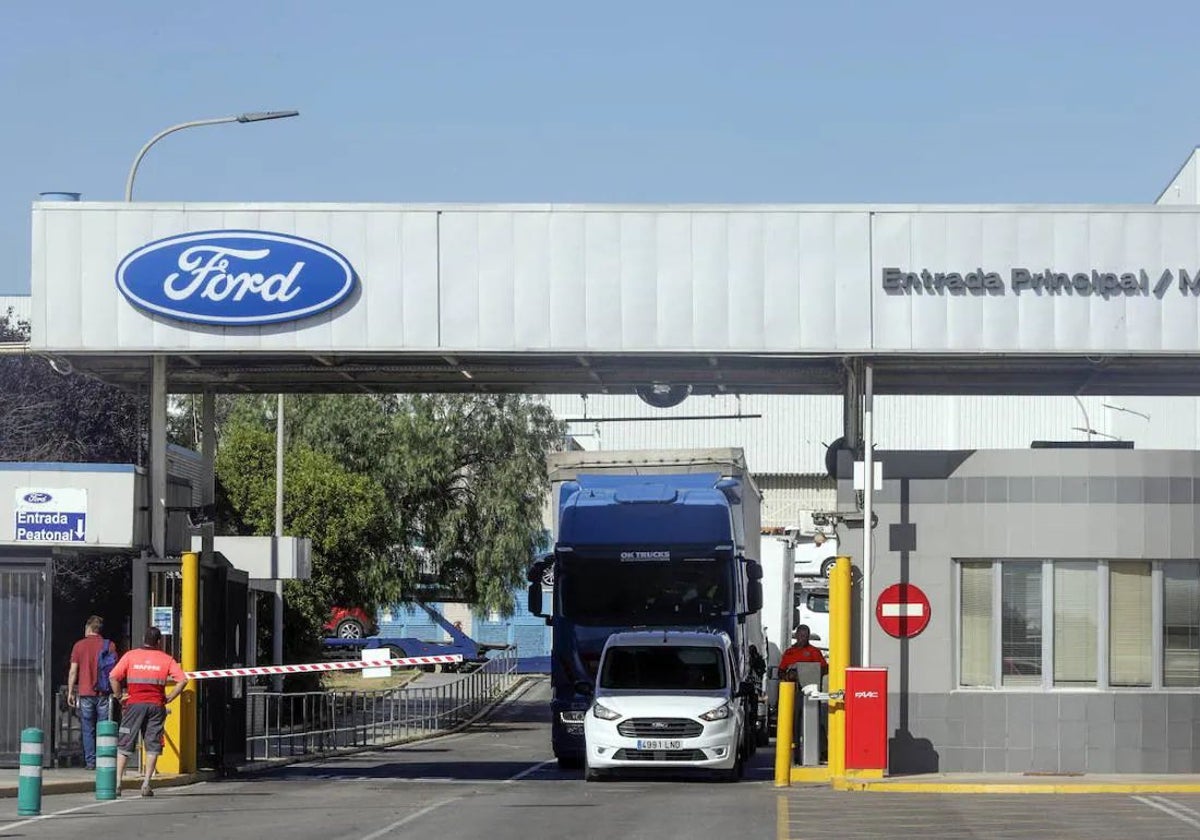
235 277
37 498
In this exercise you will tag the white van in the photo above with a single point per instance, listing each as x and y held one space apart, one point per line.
667 700
812 608
815 554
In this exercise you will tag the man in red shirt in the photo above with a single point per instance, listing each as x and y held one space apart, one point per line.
801 651
146 671
82 695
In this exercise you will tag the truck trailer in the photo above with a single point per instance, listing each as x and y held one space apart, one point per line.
647 539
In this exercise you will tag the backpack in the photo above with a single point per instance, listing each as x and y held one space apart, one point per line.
104 665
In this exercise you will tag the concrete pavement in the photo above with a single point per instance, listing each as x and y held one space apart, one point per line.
77 780
496 781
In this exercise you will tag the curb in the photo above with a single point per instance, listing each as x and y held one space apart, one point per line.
1015 787
89 786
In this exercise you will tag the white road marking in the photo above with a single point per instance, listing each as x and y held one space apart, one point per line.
529 770
58 814
415 815
1179 812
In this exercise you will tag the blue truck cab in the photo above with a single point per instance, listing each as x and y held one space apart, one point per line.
637 549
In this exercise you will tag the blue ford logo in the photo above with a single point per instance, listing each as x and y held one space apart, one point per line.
235 277
37 498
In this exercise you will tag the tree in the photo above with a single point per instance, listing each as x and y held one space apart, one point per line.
456 485
74 418
46 416
345 514
465 478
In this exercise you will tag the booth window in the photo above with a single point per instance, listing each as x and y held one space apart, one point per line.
976 601
1075 639
1130 628
1021 623
1045 624
1181 624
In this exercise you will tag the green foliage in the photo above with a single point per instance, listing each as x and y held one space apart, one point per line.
344 514
395 492
74 418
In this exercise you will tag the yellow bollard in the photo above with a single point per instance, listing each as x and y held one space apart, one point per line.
839 660
179 752
784 716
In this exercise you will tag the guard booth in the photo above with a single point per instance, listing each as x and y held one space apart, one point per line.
51 513
223 612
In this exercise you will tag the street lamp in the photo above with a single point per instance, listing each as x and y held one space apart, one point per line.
253 116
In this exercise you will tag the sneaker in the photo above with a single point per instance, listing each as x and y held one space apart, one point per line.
147 790
118 792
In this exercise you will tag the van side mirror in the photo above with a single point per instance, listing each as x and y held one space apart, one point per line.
584 687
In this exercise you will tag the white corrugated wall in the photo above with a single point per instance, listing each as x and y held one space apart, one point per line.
789 438
791 435
785 447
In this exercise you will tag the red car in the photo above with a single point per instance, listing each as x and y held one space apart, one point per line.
350 623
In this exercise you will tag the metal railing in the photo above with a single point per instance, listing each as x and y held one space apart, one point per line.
282 725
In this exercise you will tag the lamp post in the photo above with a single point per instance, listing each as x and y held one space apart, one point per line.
181 728
251 117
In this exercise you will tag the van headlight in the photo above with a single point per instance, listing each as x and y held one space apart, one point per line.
604 713
720 713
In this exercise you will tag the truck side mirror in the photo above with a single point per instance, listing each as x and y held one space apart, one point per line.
535 599
754 596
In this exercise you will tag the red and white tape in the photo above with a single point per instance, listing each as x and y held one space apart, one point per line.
348 665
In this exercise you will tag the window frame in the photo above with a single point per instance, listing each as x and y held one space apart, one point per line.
1103 592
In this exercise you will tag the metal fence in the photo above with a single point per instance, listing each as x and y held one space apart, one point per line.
312 723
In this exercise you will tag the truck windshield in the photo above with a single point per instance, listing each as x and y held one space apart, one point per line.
609 591
663 668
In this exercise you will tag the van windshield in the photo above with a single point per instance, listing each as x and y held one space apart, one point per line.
663 668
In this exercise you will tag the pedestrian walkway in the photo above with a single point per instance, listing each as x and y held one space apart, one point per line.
77 780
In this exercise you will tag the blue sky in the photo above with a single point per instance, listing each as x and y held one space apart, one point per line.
628 102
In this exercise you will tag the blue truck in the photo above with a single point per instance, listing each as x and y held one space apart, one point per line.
646 539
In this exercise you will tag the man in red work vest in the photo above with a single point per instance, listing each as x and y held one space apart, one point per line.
801 651
146 672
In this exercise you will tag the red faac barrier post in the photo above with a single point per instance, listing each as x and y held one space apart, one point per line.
866 719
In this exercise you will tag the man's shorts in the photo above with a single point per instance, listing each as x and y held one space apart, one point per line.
145 719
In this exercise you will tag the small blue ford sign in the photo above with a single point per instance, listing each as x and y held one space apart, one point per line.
235 277
38 498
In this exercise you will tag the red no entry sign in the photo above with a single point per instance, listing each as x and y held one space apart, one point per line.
902 610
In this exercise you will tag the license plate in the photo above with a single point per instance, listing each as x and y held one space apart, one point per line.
658 744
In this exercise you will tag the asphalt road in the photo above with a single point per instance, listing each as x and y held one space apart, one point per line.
495 782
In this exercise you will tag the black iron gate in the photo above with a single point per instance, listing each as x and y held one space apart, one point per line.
25 586
221 704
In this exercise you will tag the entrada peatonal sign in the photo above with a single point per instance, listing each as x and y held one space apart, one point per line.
1092 283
